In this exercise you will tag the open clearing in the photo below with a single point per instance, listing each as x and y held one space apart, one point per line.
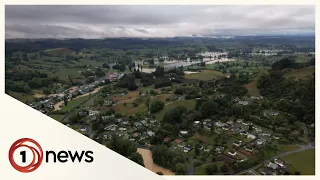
200 137
252 88
189 104
128 98
129 109
59 51
126 105
304 162
205 75
300 73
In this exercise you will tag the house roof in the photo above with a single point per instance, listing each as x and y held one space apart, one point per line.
166 139
272 165
177 141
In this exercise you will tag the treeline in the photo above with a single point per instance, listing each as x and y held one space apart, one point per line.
24 81
291 63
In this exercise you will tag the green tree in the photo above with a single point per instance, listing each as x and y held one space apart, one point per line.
65 100
136 157
208 109
181 169
173 116
156 106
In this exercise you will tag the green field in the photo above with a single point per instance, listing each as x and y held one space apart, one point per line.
57 117
201 170
300 73
74 103
205 75
189 104
304 162
59 51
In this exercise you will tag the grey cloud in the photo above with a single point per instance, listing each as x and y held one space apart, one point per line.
154 21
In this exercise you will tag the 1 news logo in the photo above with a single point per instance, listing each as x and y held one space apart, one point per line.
28 151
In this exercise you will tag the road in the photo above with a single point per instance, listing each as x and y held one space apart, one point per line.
306 133
303 148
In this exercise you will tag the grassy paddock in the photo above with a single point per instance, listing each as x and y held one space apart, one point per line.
205 75
189 104
304 162
300 73
74 103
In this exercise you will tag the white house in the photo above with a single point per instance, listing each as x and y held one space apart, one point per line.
196 122
151 133
276 137
265 134
239 121
279 163
219 124
237 143
184 132
225 128
260 141
272 166
251 136
245 133
232 153
122 129
83 129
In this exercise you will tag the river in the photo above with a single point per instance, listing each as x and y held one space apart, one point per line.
148 162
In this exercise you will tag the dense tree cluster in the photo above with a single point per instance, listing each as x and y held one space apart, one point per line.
156 106
290 95
167 158
120 67
127 81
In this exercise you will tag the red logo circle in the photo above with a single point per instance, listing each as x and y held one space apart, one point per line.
37 154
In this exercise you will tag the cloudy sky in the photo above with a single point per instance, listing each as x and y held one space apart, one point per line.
155 21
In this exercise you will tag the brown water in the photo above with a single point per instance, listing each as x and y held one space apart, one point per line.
148 162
